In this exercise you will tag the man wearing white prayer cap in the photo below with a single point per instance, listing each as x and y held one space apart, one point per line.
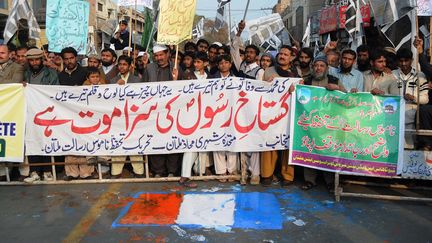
163 70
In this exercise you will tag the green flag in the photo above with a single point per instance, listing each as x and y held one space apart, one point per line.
147 38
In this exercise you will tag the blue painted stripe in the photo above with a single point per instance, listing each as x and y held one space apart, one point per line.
257 211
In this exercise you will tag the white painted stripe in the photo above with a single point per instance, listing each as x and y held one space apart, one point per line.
207 210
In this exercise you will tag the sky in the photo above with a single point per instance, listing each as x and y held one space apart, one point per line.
208 9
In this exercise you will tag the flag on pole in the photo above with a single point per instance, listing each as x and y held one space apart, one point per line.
145 3
306 36
350 22
198 31
219 22
358 31
21 10
316 49
401 33
328 40
147 35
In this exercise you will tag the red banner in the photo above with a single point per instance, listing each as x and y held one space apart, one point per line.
328 20
365 11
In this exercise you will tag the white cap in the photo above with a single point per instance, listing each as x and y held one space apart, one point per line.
217 43
158 48
141 53
127 48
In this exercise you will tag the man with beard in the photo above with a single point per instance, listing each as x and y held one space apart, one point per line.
73 74
37 73
377 81
352 79
363 63
93 61
108 59
284 68
320 78
305 58
163 70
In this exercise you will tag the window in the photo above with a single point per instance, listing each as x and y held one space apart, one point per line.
38 4
100 7
4 4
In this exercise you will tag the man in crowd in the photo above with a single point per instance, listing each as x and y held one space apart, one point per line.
376 80
73 74
305 58
108 59
351 78
202 45
163 70
21 56
285 68
249 67
212 55
93 61
321 78
124 74
10 72
408 80
363 63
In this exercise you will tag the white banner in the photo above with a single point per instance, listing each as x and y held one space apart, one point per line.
417 165
230 114
145 3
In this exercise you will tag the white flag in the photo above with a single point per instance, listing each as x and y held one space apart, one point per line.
358 33
145 3
198 31
306 36
21 10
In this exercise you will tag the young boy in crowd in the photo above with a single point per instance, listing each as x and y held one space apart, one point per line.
200 159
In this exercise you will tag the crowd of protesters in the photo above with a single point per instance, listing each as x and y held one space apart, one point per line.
380 71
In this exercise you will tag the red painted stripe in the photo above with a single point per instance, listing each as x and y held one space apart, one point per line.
159 209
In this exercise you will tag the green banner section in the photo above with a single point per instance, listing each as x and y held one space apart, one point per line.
354 133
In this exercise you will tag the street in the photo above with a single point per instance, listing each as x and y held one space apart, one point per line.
141 212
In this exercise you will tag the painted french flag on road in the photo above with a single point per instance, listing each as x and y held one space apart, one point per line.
202 210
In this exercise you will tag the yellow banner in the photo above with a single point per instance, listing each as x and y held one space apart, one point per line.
175 21
12 122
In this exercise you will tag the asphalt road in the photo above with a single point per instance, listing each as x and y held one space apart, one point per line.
121 212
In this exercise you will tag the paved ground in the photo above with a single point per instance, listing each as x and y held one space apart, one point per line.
86 213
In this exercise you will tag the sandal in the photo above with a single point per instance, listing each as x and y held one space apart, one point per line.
307 186
186 182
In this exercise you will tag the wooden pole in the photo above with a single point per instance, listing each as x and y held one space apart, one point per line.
246 10
134 30
229 21
130 30
430 42
418 81
176 57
